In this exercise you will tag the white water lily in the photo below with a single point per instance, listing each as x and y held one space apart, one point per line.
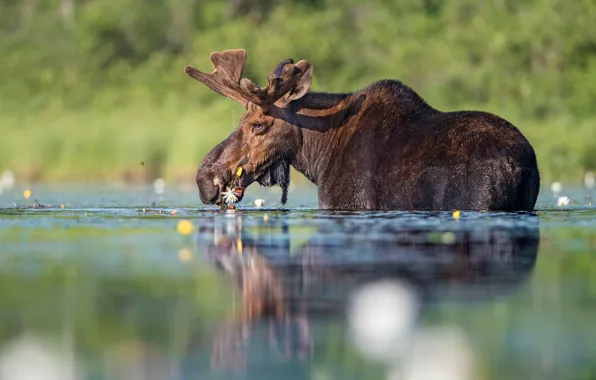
159 186
563 201
259 202
590 180
7 180
229 196
381 316
556 187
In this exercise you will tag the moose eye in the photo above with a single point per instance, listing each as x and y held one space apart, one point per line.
257 128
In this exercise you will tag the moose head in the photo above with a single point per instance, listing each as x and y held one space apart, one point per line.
266 139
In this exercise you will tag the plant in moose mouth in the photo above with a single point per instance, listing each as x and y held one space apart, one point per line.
231 196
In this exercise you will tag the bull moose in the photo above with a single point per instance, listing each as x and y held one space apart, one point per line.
382 147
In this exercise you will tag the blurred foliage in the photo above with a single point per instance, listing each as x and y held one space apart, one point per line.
90 88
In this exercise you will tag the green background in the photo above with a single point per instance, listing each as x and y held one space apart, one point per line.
89 89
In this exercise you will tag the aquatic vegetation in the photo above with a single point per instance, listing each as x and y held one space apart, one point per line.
556 187
590 180
563 201
159 186
229 196
185 227
7 180
185 254
381 316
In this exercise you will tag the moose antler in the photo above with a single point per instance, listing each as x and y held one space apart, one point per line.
226 79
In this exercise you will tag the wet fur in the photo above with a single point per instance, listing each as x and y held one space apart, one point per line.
279 174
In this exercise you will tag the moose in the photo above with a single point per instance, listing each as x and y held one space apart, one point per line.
380 148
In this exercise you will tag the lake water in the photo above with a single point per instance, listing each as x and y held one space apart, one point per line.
110 287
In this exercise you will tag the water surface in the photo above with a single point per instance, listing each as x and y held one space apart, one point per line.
108 288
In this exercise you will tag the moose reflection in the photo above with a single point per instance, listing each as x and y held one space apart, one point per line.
284 288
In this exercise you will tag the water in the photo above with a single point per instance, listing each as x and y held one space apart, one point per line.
107 288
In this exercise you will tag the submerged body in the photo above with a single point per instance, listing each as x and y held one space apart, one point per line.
380 148
400 153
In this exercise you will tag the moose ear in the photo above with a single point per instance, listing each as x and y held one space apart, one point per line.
300 89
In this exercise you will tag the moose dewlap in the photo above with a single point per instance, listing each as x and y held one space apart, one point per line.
381 147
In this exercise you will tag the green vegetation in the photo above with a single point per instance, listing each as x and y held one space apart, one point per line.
89 89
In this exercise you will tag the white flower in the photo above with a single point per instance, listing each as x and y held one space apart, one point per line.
7 180
562 201
229 196
381 316
259 202
159 186
556 187
590 180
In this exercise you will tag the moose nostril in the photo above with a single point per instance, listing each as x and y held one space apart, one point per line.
208 192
